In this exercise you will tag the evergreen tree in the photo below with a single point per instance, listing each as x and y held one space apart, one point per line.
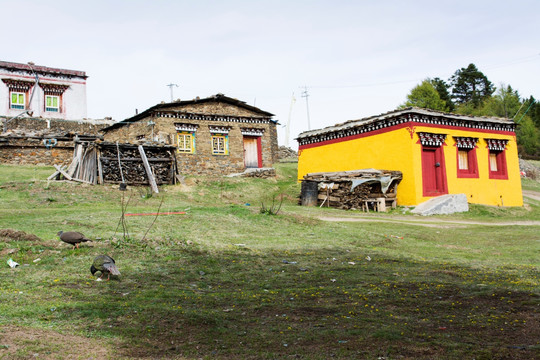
425 96
470 86
442 88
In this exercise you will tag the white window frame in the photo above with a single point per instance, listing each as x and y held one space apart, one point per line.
52 108
17 105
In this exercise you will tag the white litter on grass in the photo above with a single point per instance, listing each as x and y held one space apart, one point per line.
38 259
351 263
368 258
12 263
99 279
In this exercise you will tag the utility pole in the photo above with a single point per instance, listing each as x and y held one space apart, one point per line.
288 131
171 87
305 94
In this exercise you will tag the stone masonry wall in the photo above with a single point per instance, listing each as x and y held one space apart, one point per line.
54 125
23 151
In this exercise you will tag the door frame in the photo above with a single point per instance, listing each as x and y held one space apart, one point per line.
259 149
441 185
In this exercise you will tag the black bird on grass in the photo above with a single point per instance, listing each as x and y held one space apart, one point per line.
72 237
104 264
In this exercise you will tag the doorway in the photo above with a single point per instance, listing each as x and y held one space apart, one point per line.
433 171
252 152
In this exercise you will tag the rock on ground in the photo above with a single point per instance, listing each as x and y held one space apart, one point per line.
442 205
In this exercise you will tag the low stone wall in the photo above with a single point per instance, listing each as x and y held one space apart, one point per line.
52 125
32 151
25 140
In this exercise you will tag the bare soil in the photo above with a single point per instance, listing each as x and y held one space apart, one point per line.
28 343
15 235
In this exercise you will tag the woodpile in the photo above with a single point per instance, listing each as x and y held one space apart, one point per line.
101 163
367 189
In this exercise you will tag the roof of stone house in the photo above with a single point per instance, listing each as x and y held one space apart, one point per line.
11 66
175 104
412 114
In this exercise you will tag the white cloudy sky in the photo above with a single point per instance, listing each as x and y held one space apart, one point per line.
357 58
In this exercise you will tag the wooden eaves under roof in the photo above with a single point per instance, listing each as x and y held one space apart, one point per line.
396 117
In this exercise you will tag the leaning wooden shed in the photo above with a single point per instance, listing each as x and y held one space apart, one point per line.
114 163
363 189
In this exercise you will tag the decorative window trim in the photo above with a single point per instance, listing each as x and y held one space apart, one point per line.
218 138
501 172
465 142
472 163
252 131
219 129
53 89
468 145
496 144
186 127
18 85
430 139
181 137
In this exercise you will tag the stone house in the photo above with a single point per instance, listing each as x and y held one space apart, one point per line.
214 135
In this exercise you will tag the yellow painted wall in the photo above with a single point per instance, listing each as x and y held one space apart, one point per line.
395 150
391 150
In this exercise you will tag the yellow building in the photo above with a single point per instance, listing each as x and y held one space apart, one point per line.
438 153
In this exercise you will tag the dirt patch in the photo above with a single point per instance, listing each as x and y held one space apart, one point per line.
28 343
15 235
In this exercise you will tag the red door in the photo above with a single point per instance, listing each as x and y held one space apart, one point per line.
433 172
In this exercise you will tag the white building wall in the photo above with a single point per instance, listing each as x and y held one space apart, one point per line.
73 99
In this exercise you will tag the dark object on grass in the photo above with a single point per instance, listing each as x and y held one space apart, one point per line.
72 237
104 264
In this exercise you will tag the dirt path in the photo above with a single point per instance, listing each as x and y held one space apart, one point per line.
535 195
427 222
433 222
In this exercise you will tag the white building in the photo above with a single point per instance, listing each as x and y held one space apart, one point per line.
42 92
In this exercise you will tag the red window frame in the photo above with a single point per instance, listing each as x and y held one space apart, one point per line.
500 158
472 162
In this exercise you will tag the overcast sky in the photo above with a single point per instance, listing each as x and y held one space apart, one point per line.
357 58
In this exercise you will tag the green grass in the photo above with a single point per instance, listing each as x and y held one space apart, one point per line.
224 281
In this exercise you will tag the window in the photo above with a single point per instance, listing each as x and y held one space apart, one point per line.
220 144
52 103
497 164
18 100
467 164
497 158
186 142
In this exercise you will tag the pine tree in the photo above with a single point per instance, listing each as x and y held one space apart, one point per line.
470 86
442 88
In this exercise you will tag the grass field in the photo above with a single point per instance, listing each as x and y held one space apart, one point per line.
225 281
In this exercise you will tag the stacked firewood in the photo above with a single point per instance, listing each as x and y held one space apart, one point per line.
124 164
334 188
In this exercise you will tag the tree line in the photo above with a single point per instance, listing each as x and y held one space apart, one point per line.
469 92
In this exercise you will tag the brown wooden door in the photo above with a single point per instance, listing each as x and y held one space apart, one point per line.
251 157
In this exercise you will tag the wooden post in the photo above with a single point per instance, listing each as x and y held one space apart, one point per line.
151 179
